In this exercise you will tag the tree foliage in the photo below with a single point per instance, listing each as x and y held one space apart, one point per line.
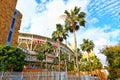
113 58
84 65
93 64
87 45
45 48
63 56
74 19
56 60
60 34
11 58
70 66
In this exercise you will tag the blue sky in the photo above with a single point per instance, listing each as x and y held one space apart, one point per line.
102 20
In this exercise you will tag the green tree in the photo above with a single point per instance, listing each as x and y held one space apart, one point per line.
55 62
11 58
45 49
70 65
84 65
113 58
64 59
72 61
59 35
96 63
79 54
88 66
87 46
73 20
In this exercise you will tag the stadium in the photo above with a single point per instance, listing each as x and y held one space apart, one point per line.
31 42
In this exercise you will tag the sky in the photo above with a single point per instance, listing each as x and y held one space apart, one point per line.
102 20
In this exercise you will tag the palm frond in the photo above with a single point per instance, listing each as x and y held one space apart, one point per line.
61 39
81 15
60 33
82 22
87 45
59 27
71 30
76 10
74 16
67 13
77 27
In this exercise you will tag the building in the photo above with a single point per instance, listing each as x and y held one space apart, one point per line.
10 20
31 42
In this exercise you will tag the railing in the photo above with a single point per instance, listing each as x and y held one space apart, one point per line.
24 50
40 76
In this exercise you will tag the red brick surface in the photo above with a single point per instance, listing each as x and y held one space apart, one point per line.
7 8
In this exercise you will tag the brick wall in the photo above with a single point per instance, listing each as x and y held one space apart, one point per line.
16 28
7 8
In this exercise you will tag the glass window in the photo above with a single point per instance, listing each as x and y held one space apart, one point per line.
10 36
13 22
15 13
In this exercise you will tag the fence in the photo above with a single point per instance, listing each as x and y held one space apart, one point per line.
39 76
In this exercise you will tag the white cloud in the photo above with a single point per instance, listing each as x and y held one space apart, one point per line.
98 35
27 8
44 23
102 59
93 21
43 1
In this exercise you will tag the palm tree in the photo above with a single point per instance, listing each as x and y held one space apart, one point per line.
59 35
84 65
55 61
87 46
97 65
73 21
79 54
45 49
73 57
64 58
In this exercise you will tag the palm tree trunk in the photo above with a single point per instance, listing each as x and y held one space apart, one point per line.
46 59
66 66
75 45
59 55
47 64
90 65
41 64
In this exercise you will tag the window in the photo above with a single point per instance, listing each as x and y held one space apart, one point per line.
13 22
12 28
10 36
15 13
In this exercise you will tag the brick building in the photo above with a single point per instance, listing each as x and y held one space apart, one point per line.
10 20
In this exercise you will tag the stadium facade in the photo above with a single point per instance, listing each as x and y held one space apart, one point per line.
31 42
